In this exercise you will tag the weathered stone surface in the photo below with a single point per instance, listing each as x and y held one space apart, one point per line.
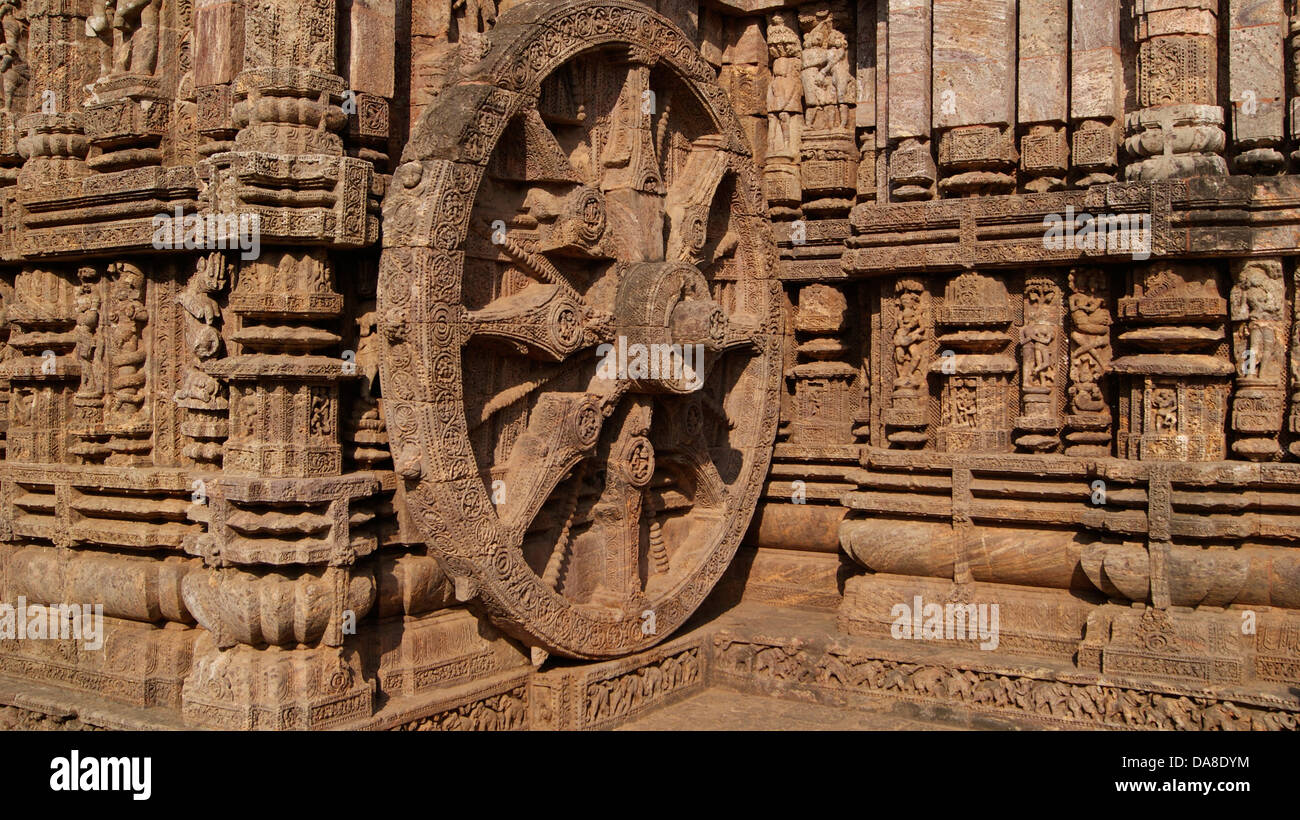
358 357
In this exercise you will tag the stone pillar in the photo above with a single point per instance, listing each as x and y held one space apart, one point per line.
1178 132
218 57
1042 87
53 142
975 366
974 103
281 502
912 172
865 115
1096 90
1293 76
1260 325
824 403
1257 84
279 584
369 69
1175 383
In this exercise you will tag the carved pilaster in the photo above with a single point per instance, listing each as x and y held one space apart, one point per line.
975 366
1257 84
912 172
1179 130
205 425
1293 75
1042 87
88 427
128 413
368 64
824 403
1176 377
975 102
1096 90
45 373
52 140
870 31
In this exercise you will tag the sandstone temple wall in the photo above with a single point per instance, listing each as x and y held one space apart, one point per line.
1018 281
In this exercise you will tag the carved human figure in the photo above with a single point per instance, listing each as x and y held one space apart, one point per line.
909 339
1164 408
99 25
1258 304
1039 367
202 313
127 31
1090 353
87 331
964 403
785 91
841 77
827 79
128 319
14 72
818 88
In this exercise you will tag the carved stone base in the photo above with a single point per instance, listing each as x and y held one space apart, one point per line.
248 688
793 658
1043 623
139 664
606 694
428 652
1205 646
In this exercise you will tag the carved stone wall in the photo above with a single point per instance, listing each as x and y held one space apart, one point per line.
995 303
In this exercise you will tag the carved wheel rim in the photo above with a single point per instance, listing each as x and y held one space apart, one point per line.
548 205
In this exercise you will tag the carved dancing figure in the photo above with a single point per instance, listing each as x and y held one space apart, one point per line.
908 339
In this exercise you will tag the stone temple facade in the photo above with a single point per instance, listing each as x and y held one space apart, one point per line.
559 363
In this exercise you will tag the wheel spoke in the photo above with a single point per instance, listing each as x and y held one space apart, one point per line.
688 203
562 430
543 321
630 176
618 512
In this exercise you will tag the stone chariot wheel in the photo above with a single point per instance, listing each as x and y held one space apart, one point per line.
580 328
